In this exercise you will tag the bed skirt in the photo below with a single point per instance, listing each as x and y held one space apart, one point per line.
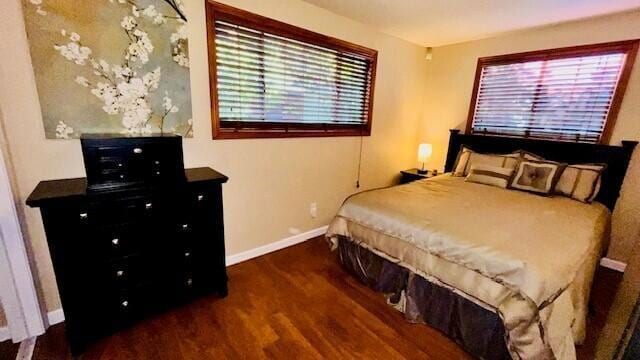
477 330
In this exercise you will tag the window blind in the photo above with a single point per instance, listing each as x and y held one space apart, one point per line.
269 82
567 98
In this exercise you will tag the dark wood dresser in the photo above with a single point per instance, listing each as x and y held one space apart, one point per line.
139 245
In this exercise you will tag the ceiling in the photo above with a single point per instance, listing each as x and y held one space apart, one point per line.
442 22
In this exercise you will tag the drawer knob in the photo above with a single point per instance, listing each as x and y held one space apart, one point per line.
187 254
137 151
84 216
157 172
124 304
120 273
115 241
189 282
148 205
119 164
121 176
157 162
200 197
185 226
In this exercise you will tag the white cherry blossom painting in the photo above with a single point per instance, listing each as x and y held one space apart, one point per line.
110 66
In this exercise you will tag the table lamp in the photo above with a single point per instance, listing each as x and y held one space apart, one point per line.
424 152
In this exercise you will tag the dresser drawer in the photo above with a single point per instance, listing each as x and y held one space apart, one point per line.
131 209
126 272
121 240
198 200
122 308
188 284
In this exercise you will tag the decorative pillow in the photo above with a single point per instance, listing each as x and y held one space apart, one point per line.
581 182
530 156
490 175
467 158
538 177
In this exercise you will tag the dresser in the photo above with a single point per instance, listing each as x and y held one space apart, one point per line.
139 235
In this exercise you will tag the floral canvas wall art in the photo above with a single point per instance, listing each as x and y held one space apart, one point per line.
110 66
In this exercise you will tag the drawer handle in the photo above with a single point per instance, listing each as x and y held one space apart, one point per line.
189 282
148 205
137 151
120 273
84 216
124 304
187 254
200 197
115 241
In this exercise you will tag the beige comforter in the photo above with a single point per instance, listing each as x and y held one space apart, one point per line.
529 258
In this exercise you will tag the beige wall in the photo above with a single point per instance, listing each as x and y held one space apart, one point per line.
450 80
3 319
273 181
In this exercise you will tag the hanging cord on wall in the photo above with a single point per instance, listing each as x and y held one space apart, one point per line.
359 161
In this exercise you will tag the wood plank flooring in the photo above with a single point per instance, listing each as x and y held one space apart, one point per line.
295 303
8 350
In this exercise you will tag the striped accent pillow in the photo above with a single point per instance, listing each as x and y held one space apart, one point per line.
467 158
581 182
490 175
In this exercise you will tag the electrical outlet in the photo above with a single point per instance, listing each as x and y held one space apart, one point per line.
313 210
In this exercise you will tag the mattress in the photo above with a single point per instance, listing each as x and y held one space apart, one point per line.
526 257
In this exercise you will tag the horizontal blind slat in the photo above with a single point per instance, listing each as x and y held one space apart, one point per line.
290 43
259 89
243 74
301 60
279 50
292 81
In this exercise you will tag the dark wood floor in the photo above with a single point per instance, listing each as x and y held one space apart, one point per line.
295 303
8 350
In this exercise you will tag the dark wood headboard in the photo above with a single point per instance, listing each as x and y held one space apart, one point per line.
616 157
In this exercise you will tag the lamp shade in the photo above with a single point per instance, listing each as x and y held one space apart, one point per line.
424 152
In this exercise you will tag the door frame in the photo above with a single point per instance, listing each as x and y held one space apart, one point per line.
17 287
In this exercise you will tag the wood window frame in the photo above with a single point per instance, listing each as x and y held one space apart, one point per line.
629 47
216 11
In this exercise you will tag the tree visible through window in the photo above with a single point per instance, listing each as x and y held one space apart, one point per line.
570 94
270 79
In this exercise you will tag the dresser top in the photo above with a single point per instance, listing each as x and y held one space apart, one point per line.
122 136
77 187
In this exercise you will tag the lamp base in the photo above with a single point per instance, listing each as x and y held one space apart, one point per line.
422 172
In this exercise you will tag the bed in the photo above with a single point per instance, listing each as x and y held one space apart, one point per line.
504 273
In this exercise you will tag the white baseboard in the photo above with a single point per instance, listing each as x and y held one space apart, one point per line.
4 333
57 316
613 264
262 250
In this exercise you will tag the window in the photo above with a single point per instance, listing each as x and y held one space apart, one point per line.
569 94
270 79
